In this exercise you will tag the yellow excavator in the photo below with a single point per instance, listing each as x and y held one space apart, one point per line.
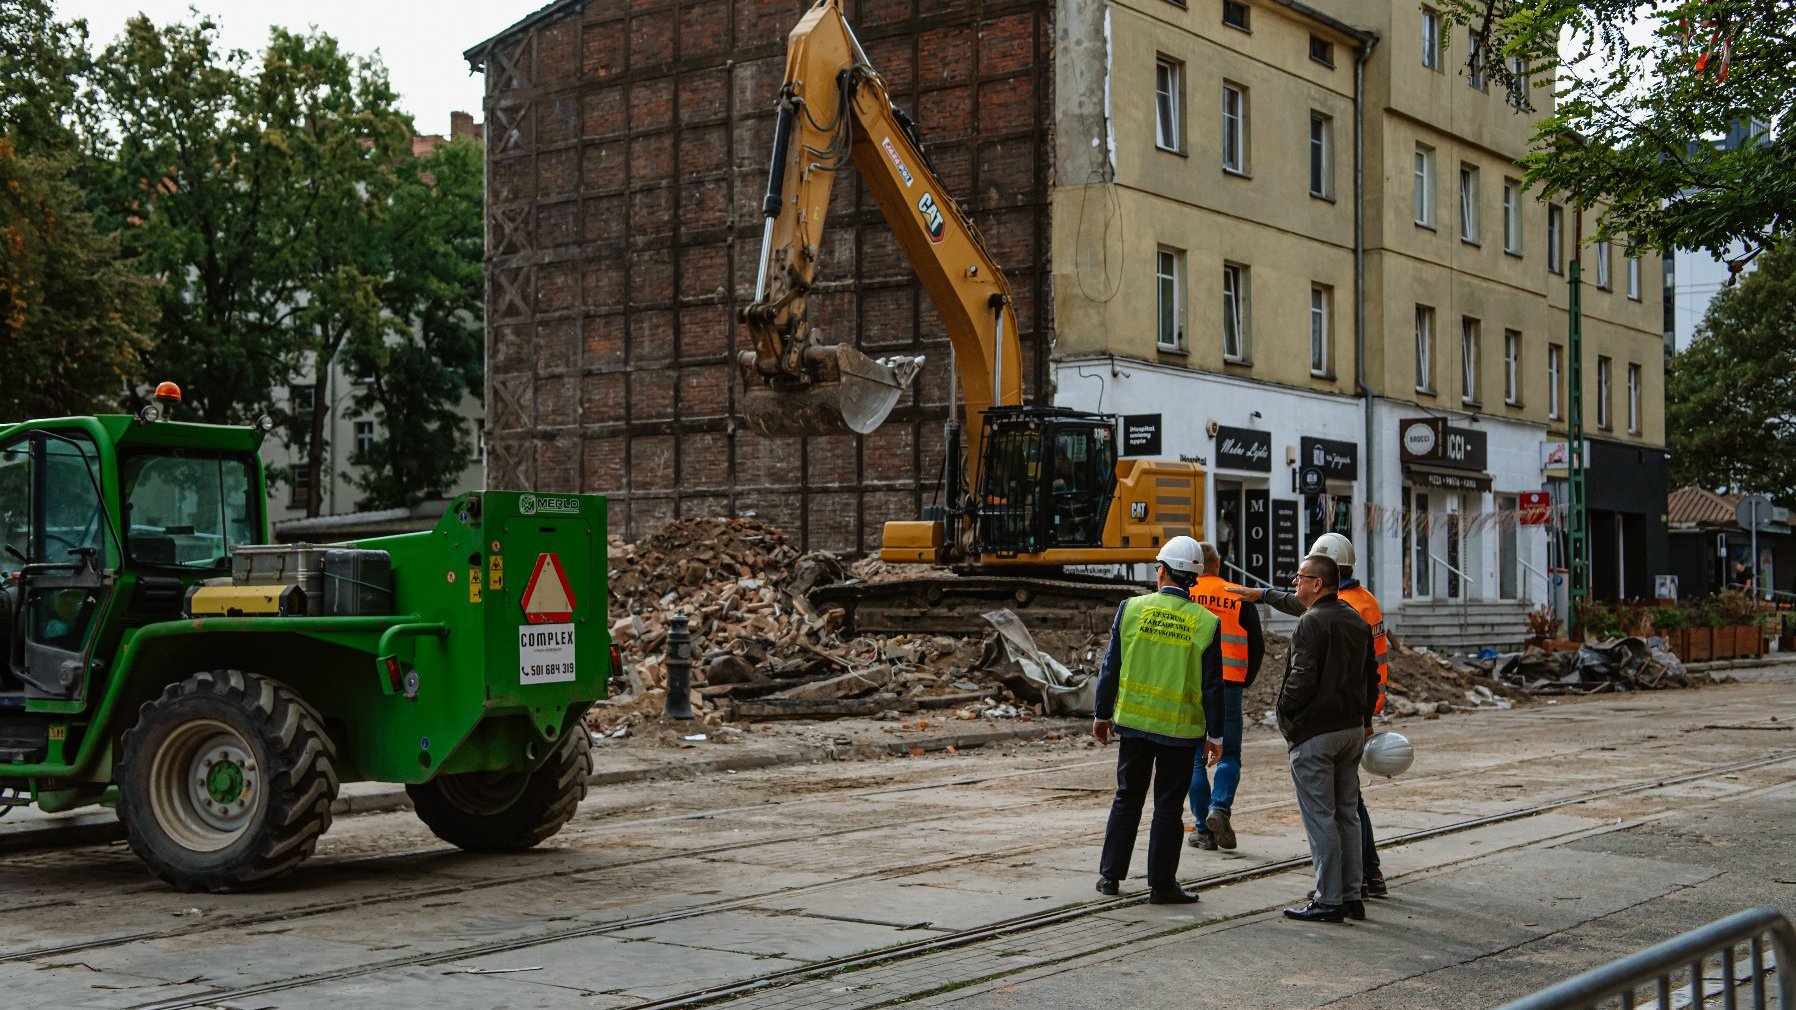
1037 488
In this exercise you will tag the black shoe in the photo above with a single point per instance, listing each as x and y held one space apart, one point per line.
1374 886
1174 895
1218 823
1316 911
1356 910
1106 886
1202 840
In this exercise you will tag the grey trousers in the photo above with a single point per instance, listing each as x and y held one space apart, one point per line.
1326 771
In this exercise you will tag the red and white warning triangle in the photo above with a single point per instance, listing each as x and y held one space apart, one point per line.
548 598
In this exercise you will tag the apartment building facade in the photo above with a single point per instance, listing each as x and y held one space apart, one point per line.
1227 153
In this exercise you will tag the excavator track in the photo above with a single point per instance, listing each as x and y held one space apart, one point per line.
951 604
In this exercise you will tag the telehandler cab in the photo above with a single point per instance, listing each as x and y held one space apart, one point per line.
220 692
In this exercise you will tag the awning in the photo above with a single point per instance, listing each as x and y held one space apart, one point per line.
1446 477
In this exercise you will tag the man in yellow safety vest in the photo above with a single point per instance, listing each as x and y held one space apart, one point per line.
1160 686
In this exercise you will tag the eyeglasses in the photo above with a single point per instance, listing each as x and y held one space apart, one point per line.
1299 577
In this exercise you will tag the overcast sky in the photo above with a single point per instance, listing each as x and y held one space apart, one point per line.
421 43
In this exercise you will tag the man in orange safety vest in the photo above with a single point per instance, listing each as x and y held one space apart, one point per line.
1242 649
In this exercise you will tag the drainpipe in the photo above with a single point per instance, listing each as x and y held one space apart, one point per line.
1368 544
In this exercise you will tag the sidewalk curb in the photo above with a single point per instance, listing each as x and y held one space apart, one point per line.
101 827
1774 659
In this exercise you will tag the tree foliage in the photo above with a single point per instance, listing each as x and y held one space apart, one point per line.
1638 105
1731 395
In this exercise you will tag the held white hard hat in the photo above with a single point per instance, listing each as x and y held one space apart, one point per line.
1182 554
1388 754
1334 547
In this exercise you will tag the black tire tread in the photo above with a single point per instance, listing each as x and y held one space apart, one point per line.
301 781
547 803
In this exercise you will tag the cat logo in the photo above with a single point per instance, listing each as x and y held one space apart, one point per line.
1138 510
932 216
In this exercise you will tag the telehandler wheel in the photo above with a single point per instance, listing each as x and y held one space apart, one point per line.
507 811
226 781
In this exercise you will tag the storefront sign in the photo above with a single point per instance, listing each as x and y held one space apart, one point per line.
1141 435
1285 544
1432 440
1258 533
1244 449
1536 508
1447 479
1311 480
1337 460
1557 455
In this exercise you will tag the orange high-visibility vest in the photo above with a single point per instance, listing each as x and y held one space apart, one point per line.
1211 592
1362 600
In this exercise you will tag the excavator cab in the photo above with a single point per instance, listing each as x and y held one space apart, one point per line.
1048 477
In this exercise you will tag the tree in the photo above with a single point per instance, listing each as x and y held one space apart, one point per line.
432 354
1648 88
42 61
1731 395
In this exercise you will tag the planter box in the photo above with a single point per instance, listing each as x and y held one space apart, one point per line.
1701 642
1678 641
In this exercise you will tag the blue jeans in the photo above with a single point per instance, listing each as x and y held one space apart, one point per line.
1204 797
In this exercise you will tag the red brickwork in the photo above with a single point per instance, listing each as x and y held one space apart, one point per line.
627 152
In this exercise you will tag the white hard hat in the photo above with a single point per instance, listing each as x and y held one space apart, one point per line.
1334 547
1182 554
1388 754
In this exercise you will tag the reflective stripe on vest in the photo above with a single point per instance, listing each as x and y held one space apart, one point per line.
1362 600
1211 593
1161 686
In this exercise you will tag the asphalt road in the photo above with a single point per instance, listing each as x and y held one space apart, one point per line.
1540 841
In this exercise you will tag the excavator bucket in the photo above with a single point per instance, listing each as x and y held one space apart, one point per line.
845 392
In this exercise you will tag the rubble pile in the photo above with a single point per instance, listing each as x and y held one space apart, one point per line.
762 651
1617 664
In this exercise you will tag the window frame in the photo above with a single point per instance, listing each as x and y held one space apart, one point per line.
1518 87
1475 62
1555 381
1169 104
1239 139
1471 350
1634 382
1512 216
1512 367
1468 204
1321 331
1327 57
1176 280
1235 309
1555 239
1246 23
1321 165
1424 349
1423 181
1431 38
1603 280
1604 381
1632 271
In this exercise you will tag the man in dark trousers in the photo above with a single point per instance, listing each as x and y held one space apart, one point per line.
1325 713
1161 688
1243 647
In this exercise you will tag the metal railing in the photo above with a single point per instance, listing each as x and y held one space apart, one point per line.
1680 965
1546 584
1465 587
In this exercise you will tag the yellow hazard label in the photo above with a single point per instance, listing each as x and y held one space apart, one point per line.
1168 626
474 585
495 572
60 731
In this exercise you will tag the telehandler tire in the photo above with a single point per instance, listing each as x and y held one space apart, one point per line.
226 781
507 811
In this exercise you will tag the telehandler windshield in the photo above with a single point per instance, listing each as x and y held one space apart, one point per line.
187 511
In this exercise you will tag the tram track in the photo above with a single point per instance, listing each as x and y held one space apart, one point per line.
947 941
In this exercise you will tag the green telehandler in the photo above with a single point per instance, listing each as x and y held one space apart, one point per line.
157 652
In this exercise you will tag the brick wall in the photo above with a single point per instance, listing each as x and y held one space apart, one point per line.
627 153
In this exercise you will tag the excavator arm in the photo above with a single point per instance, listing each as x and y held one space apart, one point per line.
834 109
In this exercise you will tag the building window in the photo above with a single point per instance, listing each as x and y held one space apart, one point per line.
1468 359
1633 399
1555 370
1425 185
1468 204
1555 238
1234 127
1320 298
1602 393
1170 283
1431 38
302 401
1512 368
1633 265
1234 15
1474 74
1518 82
1234 312
364 437
1602 264
1512 217
299 488
1322 51
1167 99
1425 349
1321 155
